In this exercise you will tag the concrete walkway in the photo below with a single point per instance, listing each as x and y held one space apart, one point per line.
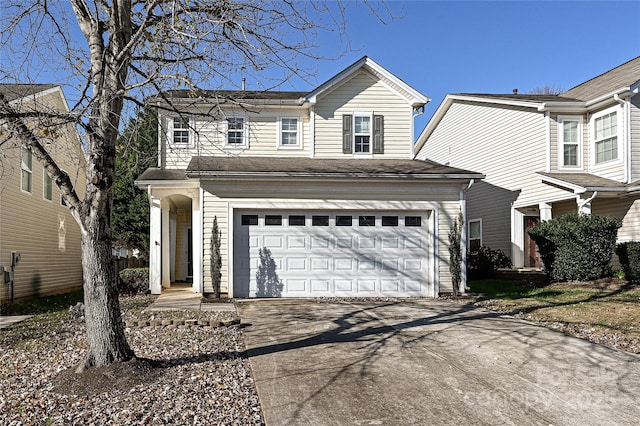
428 362
182 298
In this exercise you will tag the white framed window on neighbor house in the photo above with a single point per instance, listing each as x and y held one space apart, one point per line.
605 134
181 134
236 133
26 166
570 142
475 235
289 132
47 186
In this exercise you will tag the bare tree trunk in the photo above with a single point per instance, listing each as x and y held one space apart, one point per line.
106 340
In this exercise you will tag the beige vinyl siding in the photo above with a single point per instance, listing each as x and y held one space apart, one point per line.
492 204
447 213
218 208
508 145
42 231
635 138
210 137
626 209
362 93
563 207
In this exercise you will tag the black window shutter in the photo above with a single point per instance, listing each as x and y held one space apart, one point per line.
347 134
378 134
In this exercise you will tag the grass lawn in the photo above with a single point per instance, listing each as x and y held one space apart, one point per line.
605 311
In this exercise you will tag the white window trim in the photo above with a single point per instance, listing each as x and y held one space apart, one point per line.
353 126
245 133
469 222
191 143
45 175
29 170
592 135
580 152
298 144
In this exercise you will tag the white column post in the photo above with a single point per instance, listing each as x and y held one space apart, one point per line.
166 246
517 238
197 232
155 244
545 212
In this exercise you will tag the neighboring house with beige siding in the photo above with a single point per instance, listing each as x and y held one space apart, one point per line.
315 193
34 223
543 156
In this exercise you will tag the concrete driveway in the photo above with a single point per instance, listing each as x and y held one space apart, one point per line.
429 362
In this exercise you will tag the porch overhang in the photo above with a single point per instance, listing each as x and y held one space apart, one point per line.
583 183
326 169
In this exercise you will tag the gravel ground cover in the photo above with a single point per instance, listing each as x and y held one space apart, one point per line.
185 375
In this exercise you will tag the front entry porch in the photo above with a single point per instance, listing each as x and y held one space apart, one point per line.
175 252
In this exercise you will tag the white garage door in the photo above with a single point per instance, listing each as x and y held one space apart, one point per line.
313 254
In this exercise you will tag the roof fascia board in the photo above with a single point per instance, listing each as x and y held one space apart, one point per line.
342 76
263 175
579 189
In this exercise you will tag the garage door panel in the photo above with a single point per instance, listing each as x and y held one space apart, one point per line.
310 260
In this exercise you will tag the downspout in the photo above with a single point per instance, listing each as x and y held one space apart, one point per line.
627 130
581 204
463 236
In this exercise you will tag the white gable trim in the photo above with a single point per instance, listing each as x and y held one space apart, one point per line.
415 98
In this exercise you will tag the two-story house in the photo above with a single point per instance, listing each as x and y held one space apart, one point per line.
543 156
39 239
314 193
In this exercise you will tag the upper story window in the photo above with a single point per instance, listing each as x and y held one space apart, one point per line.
181 132
26 166
570 138
475 235
288 132
236 132
605 136
47 187
362 133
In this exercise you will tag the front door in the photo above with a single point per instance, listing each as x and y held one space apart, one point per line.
531 254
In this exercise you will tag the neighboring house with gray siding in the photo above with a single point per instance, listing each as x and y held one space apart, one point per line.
543 156
34 222
315 193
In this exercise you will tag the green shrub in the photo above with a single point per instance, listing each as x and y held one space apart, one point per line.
575 247
484 262
134 280
629 256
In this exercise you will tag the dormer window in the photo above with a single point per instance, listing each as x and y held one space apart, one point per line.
181 132
236 132
362 133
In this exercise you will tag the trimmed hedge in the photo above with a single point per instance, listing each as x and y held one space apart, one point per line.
575 247
134 280
484 262
629 256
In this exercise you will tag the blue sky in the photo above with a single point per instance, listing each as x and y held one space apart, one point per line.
493 47
478 46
